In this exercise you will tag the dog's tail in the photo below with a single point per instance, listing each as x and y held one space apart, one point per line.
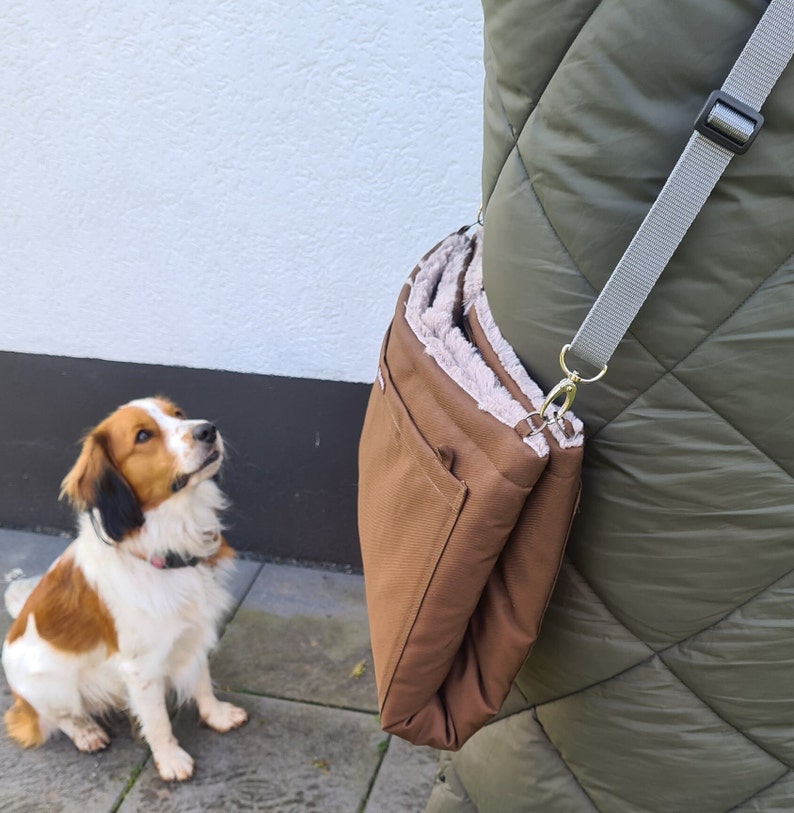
18 590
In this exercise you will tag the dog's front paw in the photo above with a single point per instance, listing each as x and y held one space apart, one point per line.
173 763
85 733
91 740
225 716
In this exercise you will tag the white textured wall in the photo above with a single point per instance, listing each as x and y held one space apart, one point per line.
234 185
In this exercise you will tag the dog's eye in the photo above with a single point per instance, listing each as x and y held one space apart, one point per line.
143 436
178 413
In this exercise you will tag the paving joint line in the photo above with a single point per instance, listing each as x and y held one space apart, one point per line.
316 703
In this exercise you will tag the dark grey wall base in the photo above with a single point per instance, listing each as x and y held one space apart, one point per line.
292 465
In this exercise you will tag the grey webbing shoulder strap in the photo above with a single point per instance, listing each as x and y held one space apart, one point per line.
727 126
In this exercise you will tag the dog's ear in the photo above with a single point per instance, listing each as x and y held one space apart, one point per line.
78 485
96 482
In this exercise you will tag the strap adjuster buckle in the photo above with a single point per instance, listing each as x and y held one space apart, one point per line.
728 122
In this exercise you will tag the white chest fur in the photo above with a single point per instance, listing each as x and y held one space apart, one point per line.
166 619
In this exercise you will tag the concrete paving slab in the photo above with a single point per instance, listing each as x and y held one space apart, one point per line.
301 634
245 573
57 778
404 780
289 758
28 552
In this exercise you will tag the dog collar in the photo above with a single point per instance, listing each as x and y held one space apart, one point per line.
170 561
173 560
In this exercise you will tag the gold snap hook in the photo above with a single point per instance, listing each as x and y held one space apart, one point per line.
566 388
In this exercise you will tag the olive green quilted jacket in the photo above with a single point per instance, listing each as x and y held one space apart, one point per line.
663 679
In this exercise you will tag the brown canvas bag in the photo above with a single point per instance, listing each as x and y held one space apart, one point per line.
464 509
469 476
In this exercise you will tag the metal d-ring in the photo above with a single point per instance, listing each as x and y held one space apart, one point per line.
539 429
573 375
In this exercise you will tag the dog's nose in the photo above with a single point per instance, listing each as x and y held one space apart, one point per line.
205 433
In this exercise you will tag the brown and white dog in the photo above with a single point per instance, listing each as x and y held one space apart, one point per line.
130 610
